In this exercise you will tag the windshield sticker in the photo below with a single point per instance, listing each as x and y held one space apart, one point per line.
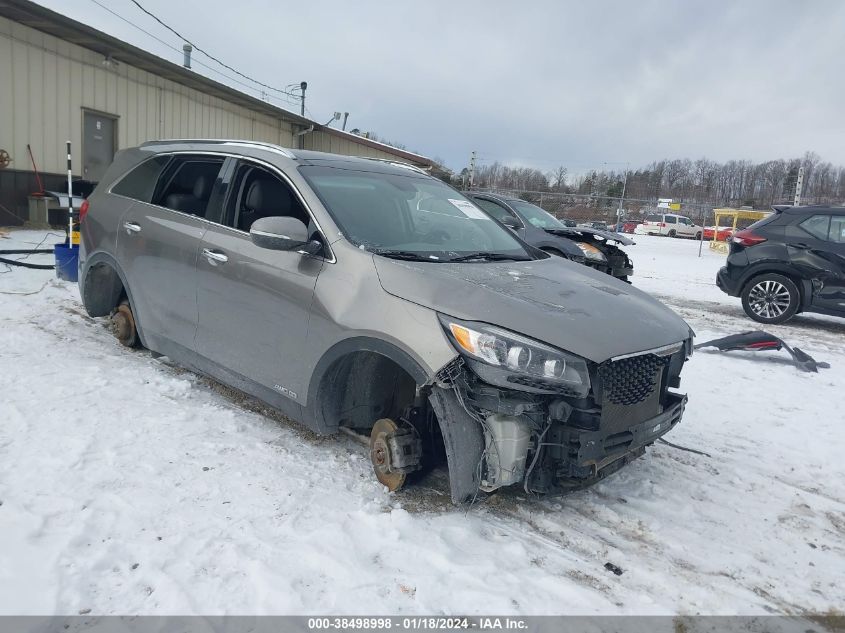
469 209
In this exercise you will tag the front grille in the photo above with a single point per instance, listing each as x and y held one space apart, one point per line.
631 380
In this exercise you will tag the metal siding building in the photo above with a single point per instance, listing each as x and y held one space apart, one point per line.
60 80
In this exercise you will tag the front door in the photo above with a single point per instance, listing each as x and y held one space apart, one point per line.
98 144
253 303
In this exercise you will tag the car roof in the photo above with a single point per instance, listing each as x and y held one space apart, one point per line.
809 210
303 157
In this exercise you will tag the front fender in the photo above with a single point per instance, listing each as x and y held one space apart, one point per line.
313 413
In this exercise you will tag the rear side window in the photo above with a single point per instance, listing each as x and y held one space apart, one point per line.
837 229
654 218
670 219
187 184
140 183
818 226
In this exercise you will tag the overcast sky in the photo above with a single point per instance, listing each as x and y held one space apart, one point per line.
538 83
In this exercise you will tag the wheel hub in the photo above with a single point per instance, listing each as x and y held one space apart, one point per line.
394 451
123 325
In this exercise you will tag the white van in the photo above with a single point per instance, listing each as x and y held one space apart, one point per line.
669 224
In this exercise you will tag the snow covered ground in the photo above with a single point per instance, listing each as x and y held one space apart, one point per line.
130 486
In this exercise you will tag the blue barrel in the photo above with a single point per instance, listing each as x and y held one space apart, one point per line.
67 261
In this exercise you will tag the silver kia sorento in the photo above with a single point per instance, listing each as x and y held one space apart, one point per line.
363 293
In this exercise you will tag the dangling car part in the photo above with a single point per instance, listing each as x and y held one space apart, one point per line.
757 341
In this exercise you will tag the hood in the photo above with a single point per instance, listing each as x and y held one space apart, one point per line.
564 304
572 233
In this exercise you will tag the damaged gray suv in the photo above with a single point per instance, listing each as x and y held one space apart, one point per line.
362 293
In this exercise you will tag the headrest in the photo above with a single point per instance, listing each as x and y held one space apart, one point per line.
269 196
202 187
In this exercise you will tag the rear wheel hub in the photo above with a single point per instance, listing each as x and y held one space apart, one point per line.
123 326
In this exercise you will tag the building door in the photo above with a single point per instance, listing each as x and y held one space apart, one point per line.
98 144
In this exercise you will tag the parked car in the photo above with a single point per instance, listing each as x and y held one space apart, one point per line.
723 233
627 226
361 293
601 226
791 261
540 228
669 224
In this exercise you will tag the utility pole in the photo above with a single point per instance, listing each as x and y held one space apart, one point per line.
621 200
799 184
471 169
345 116
302 87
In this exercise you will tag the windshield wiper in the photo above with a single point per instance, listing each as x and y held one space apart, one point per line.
408 255
490 257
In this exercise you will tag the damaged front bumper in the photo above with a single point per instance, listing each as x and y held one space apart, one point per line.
554 443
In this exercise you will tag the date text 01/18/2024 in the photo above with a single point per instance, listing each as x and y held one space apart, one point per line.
418 623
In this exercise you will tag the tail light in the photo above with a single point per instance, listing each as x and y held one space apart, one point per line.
747 238
662 225
83 210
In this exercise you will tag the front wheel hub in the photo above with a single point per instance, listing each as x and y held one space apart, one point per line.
395 451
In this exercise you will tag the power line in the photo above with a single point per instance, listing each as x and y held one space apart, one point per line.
209 55
289 101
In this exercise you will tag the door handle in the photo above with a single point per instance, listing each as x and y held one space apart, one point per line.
214 257
132 227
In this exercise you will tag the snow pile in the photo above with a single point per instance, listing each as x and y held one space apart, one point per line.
131 486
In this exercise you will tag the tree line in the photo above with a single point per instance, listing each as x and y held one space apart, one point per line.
702 183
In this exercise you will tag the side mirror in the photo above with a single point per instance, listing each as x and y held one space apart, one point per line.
511 222
279 233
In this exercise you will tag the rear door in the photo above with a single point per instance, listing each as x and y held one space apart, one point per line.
253 303
816 247
157 246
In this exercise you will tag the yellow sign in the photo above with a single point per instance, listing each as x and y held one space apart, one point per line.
675 206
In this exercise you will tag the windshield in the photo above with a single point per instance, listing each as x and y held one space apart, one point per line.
409 216
536 216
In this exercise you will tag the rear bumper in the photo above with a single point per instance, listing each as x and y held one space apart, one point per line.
726 283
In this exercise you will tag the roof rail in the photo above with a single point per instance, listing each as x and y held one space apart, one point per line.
397 163
212 141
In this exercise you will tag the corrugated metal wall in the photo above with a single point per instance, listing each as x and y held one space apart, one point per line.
322 142
46 82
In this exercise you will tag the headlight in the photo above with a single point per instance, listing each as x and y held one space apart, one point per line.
591 252
510 360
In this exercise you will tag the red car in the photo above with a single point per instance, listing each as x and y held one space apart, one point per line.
723 235
628 227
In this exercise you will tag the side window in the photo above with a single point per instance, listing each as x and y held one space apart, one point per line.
259 193
670 219
498 212
837 229
187 183
685 221
654 218
817 226
140 183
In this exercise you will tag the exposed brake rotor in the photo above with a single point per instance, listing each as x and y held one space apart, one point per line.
123 326
395 451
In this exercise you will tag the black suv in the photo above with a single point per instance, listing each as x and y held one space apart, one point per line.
791 261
